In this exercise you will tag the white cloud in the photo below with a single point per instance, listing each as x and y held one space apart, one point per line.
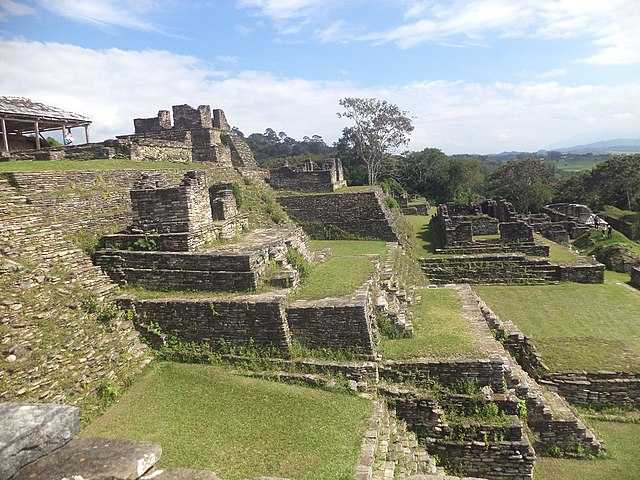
120 13
11 7
611 26
283 9
114 86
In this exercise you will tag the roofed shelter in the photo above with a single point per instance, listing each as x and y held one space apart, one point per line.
20 117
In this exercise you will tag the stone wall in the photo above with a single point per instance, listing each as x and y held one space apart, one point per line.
489 268
163 209
44 321
162 151
335 323
257 319
582 273
635 277
598 388
358 214
622 226
510 460
516 232
326 177
484 372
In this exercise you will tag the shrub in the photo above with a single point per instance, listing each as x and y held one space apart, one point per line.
145 244
301 264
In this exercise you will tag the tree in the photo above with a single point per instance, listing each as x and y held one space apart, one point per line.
525 183
617 182
379 126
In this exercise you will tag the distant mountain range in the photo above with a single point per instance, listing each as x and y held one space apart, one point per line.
616 145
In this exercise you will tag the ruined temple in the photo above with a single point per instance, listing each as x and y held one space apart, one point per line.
310 177
197 134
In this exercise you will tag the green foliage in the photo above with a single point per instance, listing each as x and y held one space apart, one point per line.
107 392
259 201
391 202
87 241
301 264
379 127
440 178
299 350
525 183
53 142
145 244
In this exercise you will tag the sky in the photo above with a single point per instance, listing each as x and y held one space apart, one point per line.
477 76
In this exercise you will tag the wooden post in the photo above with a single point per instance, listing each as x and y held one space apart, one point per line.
37 135
86 133
4 135
64 135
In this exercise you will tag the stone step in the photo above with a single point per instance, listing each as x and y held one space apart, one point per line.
95 458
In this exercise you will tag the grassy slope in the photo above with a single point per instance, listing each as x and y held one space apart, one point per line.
623 462
626 215
89 165
593 239
425 240
574 326
349 266
205 417
557 253
439 329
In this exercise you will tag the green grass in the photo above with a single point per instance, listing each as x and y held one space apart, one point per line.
426 241
574 326
626 215
89 165
348 268
557 253
622 462
439 329
588 242
616 277
205 417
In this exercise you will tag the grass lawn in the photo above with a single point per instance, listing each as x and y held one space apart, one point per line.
557 253
574 326
348 267
205 417
623 462
439 329
89 165
425 240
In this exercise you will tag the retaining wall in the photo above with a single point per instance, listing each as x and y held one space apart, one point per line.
598 388
258 319
360 214
489 372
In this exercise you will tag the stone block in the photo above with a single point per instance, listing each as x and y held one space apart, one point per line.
31 431
95 458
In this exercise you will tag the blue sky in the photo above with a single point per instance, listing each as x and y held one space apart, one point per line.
478 75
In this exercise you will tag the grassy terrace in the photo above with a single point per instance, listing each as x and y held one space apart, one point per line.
574 326
622 462
558 253
439 329
205 417
348 267
89 165
426 242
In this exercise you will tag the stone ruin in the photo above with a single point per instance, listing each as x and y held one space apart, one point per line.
197 134
513 258
310 177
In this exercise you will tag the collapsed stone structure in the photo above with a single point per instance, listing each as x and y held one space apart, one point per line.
197 134
503 260
635 277
311 177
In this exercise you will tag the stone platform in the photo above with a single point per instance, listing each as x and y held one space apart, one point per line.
235 266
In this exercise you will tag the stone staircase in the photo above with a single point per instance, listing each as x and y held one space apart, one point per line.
489 269
389 450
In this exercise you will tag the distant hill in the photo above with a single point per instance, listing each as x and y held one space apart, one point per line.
616 145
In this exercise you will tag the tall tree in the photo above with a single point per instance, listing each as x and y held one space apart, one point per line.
379 127
525 183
